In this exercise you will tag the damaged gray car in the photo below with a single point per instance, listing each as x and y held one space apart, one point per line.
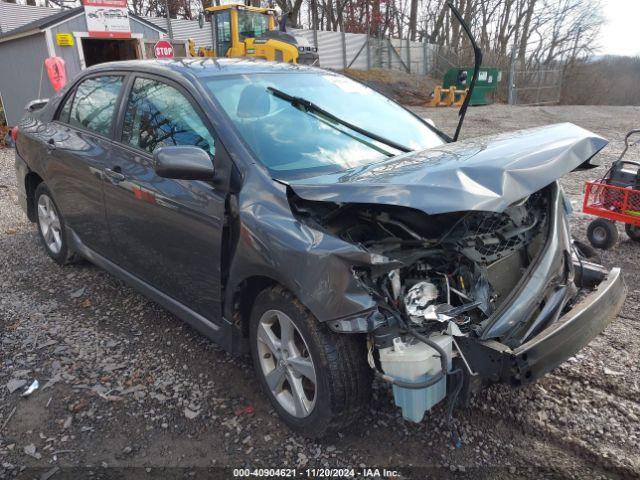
299 216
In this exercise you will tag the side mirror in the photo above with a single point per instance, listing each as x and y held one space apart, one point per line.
183 163
37 104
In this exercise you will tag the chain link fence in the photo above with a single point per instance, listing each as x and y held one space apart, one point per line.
538 86
341 50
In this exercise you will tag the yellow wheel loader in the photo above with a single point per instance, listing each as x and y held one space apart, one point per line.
244 31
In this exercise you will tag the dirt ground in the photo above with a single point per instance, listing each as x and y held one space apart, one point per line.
402 87
127 390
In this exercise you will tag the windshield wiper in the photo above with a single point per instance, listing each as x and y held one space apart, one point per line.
477 55
308 106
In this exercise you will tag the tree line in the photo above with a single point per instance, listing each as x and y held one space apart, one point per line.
537 32
531 34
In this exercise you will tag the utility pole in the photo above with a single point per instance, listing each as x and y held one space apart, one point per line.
511 92
368 36
169 29
314 17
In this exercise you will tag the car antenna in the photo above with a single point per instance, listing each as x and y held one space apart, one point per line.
477 53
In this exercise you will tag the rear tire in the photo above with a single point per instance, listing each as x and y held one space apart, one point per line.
602 233
633 232
342 387
52 228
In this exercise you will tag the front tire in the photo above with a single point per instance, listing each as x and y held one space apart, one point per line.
318 381
602 233
52 228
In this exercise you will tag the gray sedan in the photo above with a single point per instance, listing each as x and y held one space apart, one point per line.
294 214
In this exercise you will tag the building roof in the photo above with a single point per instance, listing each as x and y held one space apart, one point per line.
41 24
44 22
13 15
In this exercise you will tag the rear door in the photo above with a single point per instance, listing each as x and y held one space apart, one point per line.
78 146
166 232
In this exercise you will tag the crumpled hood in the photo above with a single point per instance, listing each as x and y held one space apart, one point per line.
485 173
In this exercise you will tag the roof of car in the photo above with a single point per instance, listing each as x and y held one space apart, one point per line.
203 67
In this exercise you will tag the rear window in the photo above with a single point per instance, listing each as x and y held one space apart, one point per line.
93 104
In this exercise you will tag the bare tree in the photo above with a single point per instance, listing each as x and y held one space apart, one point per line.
413 19
292 9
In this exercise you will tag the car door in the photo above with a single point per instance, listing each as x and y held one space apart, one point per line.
78 146
223 32
166 232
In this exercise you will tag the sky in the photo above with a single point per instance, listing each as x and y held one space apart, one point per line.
619 35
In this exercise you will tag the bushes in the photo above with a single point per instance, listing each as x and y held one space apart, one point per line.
609 80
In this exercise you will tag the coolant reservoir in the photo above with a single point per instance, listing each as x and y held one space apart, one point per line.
416 362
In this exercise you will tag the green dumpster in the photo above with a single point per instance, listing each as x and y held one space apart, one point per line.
486 85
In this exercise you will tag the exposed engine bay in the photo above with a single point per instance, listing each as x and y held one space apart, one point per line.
440 277
453 267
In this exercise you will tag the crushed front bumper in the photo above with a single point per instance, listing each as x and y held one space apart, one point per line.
490 361
568 335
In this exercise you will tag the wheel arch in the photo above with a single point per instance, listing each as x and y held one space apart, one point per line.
31 182
243 298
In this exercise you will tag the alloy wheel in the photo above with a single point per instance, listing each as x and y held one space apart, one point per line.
49 222
286 363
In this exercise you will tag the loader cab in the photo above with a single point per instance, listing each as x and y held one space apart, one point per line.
245 31
234 24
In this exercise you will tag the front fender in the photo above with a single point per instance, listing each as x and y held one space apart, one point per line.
314 265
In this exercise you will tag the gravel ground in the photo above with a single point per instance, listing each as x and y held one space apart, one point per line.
128 389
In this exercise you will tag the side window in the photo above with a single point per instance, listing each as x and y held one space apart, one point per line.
93 104
158 115
252 24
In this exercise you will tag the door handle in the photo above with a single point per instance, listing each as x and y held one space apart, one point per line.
115 177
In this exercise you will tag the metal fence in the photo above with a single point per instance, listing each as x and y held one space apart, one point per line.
538 86
341 50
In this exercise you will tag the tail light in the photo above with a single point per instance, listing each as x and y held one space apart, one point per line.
14 133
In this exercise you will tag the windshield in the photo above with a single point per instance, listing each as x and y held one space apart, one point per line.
294 143
252 24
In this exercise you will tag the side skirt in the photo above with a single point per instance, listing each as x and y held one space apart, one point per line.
222 334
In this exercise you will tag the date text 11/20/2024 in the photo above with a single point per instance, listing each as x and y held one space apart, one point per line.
315 473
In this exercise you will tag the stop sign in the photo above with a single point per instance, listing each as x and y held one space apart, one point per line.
163 49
